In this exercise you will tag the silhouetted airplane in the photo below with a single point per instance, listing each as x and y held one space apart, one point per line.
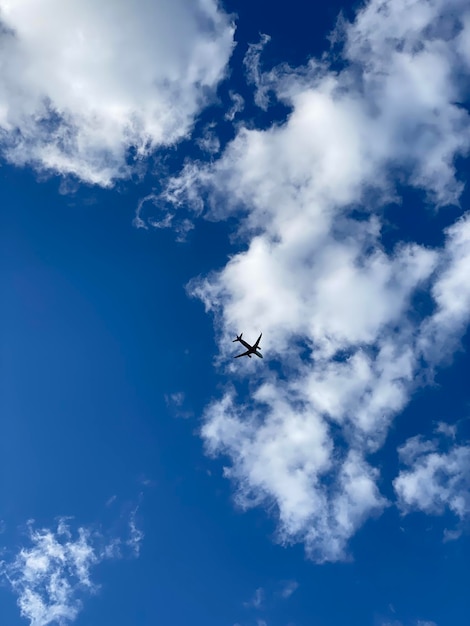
251 349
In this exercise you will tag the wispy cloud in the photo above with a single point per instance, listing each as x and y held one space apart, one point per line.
52 574
209 141
163 219
257 599
255 75
416 623
434 480
175 399
448 430
289 588
237 107
136 534
177 404
335 305
111 500
82 83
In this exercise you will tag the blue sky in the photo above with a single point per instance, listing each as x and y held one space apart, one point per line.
173 174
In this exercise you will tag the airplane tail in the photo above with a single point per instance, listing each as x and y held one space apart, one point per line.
239 337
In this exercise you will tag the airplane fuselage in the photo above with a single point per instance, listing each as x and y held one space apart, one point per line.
250 349
246 344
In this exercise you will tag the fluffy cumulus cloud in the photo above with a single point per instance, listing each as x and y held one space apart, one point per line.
336 306
284 455
82 82
451 293
434 480
52 574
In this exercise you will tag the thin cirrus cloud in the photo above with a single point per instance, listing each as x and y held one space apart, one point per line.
289 588
82 82
257 599
52 574
325 283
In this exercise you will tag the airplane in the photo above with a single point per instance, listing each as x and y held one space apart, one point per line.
251 349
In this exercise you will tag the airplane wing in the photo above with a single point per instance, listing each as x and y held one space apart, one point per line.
255 347
242 354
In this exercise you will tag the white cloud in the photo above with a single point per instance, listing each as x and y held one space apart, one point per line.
255 75
335 307
175 399
177 403
448 430
418 623
81 82
434 480
289 588
136 534
451 535
209 141
111 500
283 454
451 293
237 107
52 574
165 219
257 599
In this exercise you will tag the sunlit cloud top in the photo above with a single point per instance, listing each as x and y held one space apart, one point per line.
81 83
